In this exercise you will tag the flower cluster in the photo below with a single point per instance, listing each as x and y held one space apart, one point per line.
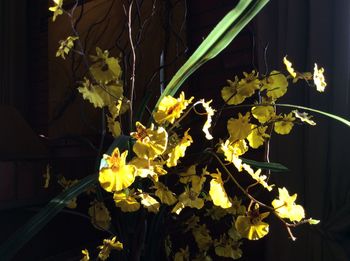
158 172
158 149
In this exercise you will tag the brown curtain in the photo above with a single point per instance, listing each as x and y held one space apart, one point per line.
13 49
311 31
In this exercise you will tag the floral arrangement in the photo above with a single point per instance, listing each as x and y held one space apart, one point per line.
215 195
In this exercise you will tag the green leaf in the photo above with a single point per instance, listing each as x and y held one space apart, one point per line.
218 39
330 115
312 221
276 167
36 223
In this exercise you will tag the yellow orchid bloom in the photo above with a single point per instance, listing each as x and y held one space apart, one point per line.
285 124
86 256
65 46
108 246
189 174
285 206
263 113
261 179
238 91
105 69
202 237
117 175
150 143
232 151
148 168
240 128
150 203
258 136
179 150
217 191
227 247
182 255
126 201
275 85
216 213
170 108
189 198
210 113
319 79
100 217
304 117
164 194
251 225
56 9
289 67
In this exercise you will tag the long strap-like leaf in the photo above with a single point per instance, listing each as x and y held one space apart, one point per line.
218 39
36 223
327 114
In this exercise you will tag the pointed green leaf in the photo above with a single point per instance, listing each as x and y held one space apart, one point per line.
218 39
276 167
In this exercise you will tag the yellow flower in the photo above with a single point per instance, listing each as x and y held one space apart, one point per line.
182 255
289 67
101 96
150 143
56 9
285 206
227 247
90 93
189 198
148 168
263 113
66 46
117 175
237 208
216 213
319 79
239 128
111 93
170 109
210 113
164 194
232 152
86 256
202 256
126 201
108 245
113 126
238 91
285 124
99 214
304 117
217 191
251 226
257 137
189 174
230 93
275 85
105 69
261 179
149 202
202 237
179 150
